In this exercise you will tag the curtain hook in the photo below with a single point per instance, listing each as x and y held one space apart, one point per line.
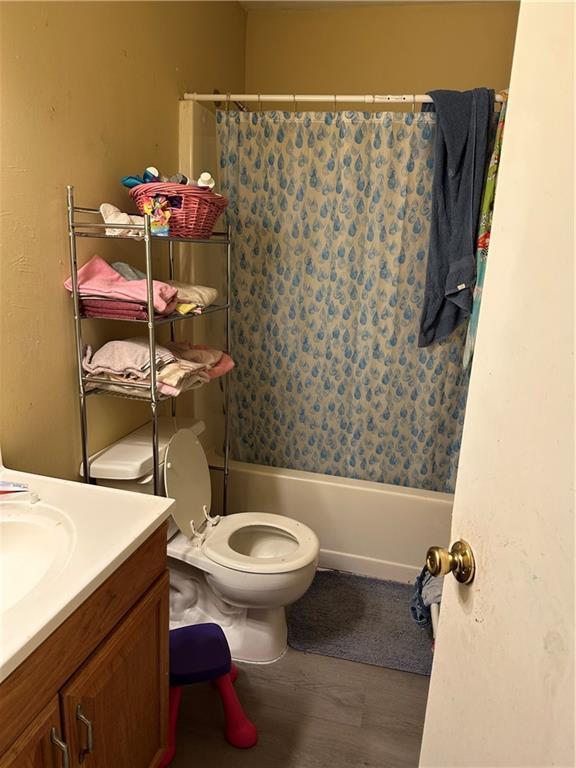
335 106
295 104
260 103
414 103
227 103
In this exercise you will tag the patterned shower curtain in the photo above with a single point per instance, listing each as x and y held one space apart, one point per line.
330 219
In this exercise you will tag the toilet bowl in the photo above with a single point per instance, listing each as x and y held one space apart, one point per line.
239 571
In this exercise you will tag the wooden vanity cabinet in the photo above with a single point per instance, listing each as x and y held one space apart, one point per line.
35 748
120 692
99 683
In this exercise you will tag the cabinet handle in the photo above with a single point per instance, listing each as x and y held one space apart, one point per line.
87 750
62 746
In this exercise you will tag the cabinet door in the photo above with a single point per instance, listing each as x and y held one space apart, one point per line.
120 694
34 748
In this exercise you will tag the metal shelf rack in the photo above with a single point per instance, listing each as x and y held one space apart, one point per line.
150 394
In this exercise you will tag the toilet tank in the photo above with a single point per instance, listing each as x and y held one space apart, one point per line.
128 463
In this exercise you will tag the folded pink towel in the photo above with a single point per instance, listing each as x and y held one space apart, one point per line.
117 308
98 278
125 306
219 362
221 368
130 314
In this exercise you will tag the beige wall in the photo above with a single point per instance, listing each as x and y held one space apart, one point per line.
392 48
89 93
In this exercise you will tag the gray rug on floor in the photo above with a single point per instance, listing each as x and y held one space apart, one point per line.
360 619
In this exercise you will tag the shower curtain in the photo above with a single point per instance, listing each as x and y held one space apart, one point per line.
330 218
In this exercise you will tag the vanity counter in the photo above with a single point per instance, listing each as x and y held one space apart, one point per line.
95 529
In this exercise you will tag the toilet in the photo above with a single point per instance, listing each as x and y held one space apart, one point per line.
239 571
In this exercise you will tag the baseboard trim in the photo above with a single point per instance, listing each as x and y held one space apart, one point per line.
368 566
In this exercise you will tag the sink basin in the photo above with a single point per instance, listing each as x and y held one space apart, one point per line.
59 542
36 541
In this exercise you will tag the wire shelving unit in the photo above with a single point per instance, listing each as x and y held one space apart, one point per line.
93 385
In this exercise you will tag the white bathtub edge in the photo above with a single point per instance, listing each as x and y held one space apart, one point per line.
368 566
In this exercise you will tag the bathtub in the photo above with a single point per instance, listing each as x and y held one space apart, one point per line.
364 527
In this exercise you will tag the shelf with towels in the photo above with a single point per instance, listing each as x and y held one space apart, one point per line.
95 385
159 319
217 238
103 389
113 389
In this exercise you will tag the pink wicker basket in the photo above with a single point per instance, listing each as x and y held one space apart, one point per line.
198 212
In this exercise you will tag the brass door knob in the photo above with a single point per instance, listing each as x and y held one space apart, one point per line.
459 560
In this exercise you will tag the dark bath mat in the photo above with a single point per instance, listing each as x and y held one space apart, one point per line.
360 619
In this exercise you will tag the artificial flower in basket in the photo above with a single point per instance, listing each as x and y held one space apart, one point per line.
158 208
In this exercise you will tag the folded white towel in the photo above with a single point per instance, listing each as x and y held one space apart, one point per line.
113 215
125 357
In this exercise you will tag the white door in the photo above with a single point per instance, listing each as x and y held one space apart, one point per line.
502 688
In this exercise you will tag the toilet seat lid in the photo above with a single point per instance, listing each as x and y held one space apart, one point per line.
187 480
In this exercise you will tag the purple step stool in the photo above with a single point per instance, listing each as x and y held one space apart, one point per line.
199 653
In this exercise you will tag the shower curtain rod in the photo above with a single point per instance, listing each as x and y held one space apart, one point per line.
294 98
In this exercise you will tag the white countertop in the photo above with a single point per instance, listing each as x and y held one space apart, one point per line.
106 526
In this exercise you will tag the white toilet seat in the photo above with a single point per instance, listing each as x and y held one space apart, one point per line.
265 543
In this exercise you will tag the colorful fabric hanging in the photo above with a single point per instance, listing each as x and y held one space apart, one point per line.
483 241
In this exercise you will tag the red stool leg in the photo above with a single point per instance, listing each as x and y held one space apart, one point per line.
240 732
233 672
173 707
